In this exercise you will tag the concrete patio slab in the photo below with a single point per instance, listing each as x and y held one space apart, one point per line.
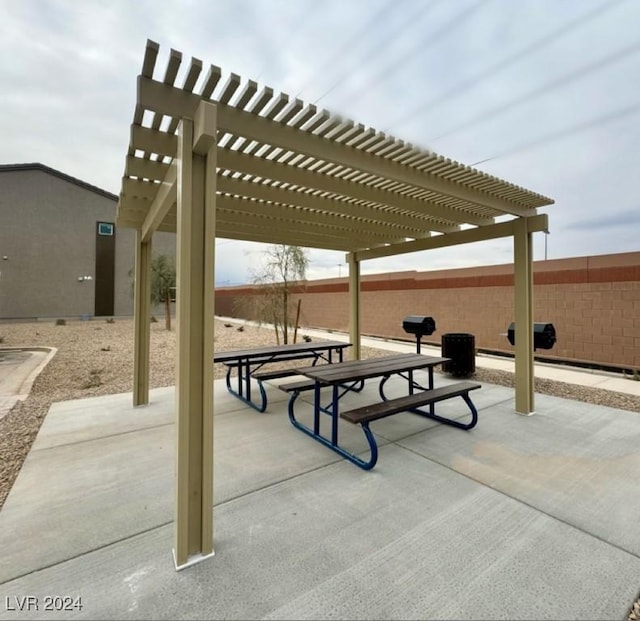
519 518
572 460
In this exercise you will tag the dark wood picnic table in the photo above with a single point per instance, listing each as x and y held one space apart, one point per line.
251 364
348 376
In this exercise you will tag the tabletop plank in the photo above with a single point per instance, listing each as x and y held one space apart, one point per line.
355 370
270 351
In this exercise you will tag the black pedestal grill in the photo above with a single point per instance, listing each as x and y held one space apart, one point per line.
420 326
544 335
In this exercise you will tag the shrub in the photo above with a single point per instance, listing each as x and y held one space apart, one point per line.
94 380
61 322
110 320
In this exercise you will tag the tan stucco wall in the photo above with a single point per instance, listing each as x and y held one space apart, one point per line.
47 233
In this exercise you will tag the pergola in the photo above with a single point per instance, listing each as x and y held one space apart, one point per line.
237 162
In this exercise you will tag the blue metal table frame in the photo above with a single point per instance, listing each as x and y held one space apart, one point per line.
345 376
248 361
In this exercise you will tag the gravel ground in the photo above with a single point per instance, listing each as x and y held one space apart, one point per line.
96 358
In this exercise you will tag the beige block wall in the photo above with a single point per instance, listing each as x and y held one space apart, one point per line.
593 303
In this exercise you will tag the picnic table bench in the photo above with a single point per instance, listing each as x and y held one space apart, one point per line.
251 364
343 377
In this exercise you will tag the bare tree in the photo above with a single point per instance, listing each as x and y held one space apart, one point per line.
283 266
163 284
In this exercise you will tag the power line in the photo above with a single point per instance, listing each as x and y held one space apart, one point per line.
350 42
544 89
575 129
379 46
509 60
305 15
456 21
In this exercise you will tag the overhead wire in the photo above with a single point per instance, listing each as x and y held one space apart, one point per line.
531 48
559 82
575 129
305 16
456 21
379 46
388 6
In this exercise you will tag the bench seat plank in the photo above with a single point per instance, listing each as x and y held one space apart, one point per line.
298 386
393 406
269 375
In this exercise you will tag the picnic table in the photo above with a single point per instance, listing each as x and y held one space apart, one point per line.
343 377
250 364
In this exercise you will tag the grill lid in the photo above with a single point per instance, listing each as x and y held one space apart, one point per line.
419 324
544 335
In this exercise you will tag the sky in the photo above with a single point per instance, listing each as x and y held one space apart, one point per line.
541 93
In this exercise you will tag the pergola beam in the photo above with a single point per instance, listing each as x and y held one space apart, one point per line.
442 218
163 201
310 208
495 231
175 102
400 217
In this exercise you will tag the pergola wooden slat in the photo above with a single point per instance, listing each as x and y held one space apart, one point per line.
229 160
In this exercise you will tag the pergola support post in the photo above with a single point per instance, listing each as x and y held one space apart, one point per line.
195 317
354 305
523 281
142 325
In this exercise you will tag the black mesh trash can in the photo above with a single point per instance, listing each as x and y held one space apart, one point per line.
461 348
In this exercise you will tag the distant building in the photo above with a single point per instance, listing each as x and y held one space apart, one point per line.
60 252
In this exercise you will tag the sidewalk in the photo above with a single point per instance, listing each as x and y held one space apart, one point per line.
557 372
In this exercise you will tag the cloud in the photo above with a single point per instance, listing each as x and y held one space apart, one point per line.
623 219
69 71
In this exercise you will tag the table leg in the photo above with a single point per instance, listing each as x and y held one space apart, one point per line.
316 409
432 406
334 415
240 378
247 381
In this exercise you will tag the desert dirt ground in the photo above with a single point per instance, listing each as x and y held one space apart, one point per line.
96 358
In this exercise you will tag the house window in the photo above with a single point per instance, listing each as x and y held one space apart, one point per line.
105 228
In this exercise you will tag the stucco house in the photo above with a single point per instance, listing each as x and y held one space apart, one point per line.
61 255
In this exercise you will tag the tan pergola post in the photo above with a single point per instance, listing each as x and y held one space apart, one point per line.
354 305
523 276
142 329
196 178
